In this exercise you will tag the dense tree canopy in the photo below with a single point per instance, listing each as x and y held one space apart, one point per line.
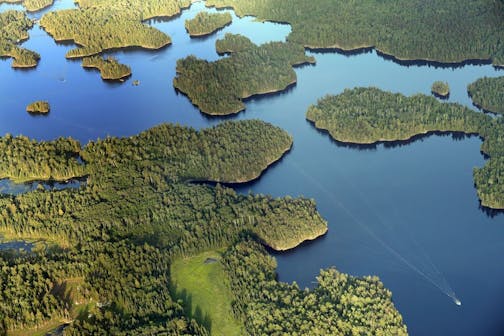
339 305
117 235
488 94
100 25
440 89
218 88
31 5
205 23
40 106
109 67
369 115
14 26
437 30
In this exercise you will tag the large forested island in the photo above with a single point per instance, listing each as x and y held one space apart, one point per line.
100 25
488 94
218 88
31 5
102 272
369 115
448 31
205 24
14 26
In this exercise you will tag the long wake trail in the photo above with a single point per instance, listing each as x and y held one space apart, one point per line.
447 291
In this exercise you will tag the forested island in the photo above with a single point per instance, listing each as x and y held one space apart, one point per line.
14 26
218 88
110 68
205 23
488 94
102 272
38 107
31 5
440 89
369 115
100 25
443 31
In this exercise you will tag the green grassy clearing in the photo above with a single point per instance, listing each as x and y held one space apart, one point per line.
206 296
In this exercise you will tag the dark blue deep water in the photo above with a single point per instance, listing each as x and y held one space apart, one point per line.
408 213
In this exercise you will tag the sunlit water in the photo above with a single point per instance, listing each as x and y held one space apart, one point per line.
417 200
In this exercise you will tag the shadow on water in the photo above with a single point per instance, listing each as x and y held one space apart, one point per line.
434 64
405 63
457 136
343 52
253 98
491 213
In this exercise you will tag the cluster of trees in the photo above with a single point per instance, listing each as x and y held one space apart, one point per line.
26 283
96 29
205 23
38 107
144 9
22 159
109 67
218 88
339 305
369 115
488 93
440 89
228 152
121 289
120 232
31 5
14 26
444 31
233 43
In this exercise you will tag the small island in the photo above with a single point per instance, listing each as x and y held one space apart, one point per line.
205 24
488 94
38 107
440 89
110 68
218 88
370 115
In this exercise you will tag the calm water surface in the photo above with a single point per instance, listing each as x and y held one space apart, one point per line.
408 213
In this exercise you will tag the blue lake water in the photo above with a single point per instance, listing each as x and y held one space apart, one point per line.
17 245
409 213
11 188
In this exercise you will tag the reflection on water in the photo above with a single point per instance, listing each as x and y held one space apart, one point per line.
421 188
10 188
16 245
